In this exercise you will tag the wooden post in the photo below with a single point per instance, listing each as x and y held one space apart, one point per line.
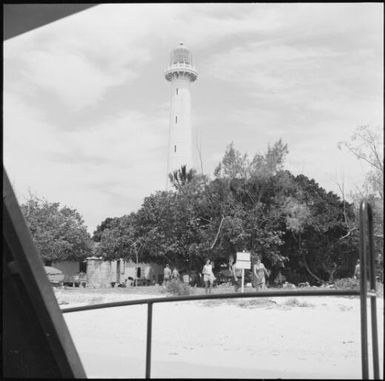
243 279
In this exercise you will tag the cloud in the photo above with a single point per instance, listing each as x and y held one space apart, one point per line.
311 80
203 26
79 58
313 48
73 78
273 68
118 140
111 165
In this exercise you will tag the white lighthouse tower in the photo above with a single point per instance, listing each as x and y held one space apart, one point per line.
182 137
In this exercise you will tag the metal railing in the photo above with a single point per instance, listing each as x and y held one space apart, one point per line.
367 244
366 240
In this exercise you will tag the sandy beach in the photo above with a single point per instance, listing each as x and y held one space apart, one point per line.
301 337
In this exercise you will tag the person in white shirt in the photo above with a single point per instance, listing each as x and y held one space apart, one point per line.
166 275
208 276
175 273
260 271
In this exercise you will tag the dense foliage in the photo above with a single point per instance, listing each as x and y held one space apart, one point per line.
58 232
297 227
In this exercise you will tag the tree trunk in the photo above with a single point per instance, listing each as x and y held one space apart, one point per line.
310 272
331 276
219 230
305 262
331 269
136 270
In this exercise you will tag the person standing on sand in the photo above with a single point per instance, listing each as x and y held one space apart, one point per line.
166 275
208 276
237 274
175 273
259 271
357 270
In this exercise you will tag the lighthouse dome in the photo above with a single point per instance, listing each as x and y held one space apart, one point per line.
181 55
181 65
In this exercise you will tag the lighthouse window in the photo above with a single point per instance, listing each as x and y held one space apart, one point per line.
174 148
176 119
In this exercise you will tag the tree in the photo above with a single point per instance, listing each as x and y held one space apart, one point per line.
318 240
170 227
250 204
181 177
58 232
116 238
233 164
366 144
271 162
108 223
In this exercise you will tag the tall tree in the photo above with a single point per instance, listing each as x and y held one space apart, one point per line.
233 164
366 144
316 220
108 223
58 232
181 177
249 215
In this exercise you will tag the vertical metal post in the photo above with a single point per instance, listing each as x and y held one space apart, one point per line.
363 293
373 300
149 338
243 280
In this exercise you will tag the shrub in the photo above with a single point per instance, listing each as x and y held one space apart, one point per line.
347 284
293 302
178 287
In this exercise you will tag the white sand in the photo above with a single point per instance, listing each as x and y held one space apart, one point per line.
245 338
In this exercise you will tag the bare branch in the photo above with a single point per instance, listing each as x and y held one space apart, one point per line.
365 137
341 187
219 230
309 271
348 234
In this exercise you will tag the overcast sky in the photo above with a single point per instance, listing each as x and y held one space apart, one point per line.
86 105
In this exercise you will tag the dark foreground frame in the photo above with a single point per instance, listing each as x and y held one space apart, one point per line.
366 244
36 342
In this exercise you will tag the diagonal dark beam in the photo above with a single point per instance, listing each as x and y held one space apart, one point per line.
36 341
22 18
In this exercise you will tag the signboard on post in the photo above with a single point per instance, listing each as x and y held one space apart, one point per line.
243 262
243 256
